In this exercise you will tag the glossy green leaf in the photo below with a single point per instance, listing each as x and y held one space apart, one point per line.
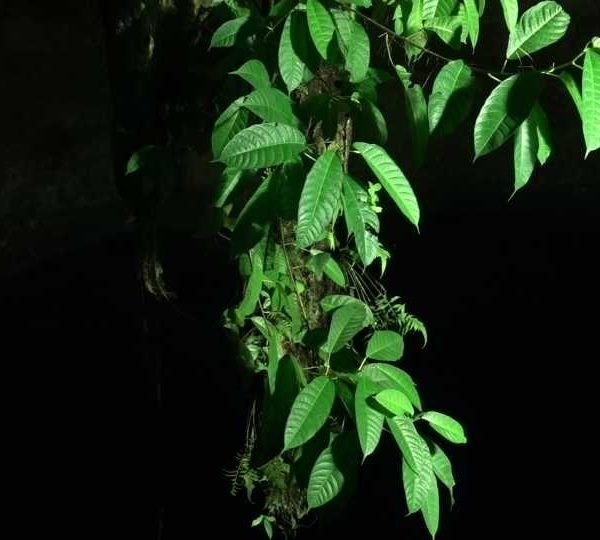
227 33
445 426
385 345
231 121
525 152
369 422
451 97
413 447
395 402
255 73
334 272
355 222
443 470
416 486
388 376
320 197
544 135
464 28
418 124
335 301
262 146
309 412
481 7
358 54
508 105
293 37
472 18
230 178
431 509
281 8
320 25
271 105
448 29
572 88
541 25
510 10
326 480
438 8
346 322
361 3
391 178
590 105
253 287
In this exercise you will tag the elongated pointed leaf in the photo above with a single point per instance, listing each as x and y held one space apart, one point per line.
229 181
395 402
319 199
346 322
510 9
309 412
544 135
391 178
416 112
355 222
445 426
252 222
540 26
369 422
413 447
335 301
438 8
590 105
271 105
253 287
326 480
293 38
387 376
320 25
448 29
472 17
451 97
385 345
263 145
416 486
525 152
255 73
227 33
506 107
333 271
443 470
369 122
481 6
431 509
231 121
358 54
573 89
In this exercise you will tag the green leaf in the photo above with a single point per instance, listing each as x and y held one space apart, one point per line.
413 447
281 8
385 345
387 376
525 152
227 33
369 422
309 412
253 286
590 106
231 121
346 322
293 37
416 486
355 222
448 29
573 89
326 480
438 8
391 178
319 199
358 54
271 105
268 528
320 25
472 16
255 73
431 509
252 222
395 402
361 3
542 127
503 111
443 469
540 26
334 272
335 301
262 146
230 178
481 6
275 353
451 97
445 426
416 112
510 9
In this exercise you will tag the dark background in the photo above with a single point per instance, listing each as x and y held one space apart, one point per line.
126 410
